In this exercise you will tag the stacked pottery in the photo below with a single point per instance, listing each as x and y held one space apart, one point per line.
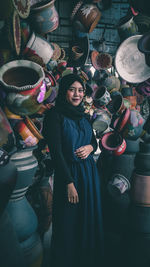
139 212
22 215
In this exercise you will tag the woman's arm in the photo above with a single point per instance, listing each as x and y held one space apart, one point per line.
52 133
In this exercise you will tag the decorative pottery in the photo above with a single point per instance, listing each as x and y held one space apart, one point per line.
143 23
16 32
32 127
126 27
26 134
20 75
18 208
113 141
144 88
57 51
101 97
26 102
111 82
101 60
6 133
132 100
7 183
85 17
77 52
121 122
143 46
44 17
22 7
130 62
83 43
134 126
118 184
127 91
116 105
140 192
40 46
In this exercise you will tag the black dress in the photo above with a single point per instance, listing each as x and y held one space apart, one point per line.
77 236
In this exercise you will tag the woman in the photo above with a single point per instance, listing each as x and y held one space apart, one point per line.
77 223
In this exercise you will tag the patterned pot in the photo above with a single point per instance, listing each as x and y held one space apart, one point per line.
44 17
21 75
40 46
85 17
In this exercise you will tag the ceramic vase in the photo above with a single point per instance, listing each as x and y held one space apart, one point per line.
22 215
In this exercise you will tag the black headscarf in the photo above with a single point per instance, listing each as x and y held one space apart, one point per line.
62 105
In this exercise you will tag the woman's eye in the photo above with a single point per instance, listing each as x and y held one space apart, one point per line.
81 90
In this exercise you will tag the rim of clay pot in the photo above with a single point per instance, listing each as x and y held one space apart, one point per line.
109 137
21 64
41 5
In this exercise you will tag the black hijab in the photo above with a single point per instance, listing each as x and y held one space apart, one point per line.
62 105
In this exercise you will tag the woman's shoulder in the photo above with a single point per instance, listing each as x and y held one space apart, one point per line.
53 115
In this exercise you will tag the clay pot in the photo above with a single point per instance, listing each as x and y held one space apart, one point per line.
116 105
144 46
86 17
40 46
127 27
44 17
114 142
132 100
101 97
21 75
140 192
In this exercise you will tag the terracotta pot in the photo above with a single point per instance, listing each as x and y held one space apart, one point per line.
140 191
44 17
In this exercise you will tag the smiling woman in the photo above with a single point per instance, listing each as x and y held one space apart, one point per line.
77 235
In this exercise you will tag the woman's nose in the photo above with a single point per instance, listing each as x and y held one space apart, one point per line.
76 92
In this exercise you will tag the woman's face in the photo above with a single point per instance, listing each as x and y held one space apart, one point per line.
75 94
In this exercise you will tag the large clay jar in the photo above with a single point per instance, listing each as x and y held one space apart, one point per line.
44 17
22 215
